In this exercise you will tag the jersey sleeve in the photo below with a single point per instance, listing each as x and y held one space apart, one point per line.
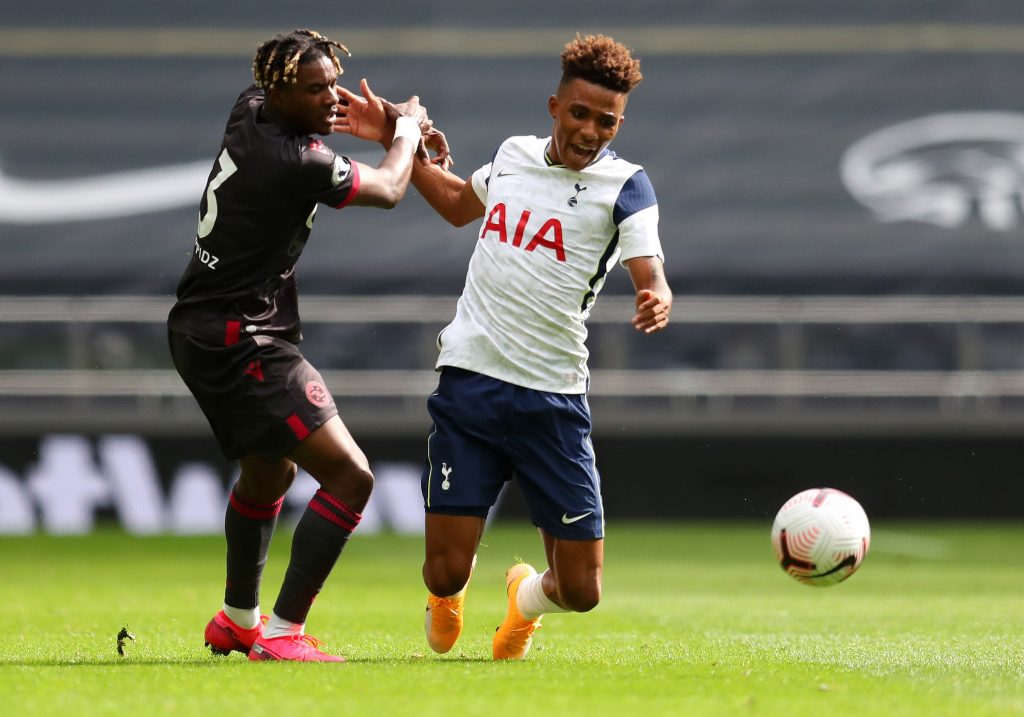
252 93
636 216
480 180
326 177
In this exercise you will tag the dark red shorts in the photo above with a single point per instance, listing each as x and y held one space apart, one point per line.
260 394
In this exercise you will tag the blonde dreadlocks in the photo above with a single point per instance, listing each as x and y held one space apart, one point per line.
277 60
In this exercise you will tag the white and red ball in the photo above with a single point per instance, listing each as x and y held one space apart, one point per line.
821 536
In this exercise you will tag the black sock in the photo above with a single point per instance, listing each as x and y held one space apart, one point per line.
319 538
248 527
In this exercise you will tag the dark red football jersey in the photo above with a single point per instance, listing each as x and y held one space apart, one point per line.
254 219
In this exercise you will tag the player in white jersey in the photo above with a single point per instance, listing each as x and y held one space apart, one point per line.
549 236
557 213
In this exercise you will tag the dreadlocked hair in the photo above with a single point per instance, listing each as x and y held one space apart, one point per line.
601 60
277 60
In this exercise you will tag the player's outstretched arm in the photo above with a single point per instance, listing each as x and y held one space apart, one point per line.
366 117
385 185
653 295
450 196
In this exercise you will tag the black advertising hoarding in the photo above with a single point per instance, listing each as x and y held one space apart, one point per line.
71 483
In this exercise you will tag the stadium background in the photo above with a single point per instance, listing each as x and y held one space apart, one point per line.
826 332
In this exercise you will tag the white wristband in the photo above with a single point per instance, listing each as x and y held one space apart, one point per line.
409 128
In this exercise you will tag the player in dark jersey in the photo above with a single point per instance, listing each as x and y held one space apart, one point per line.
234 331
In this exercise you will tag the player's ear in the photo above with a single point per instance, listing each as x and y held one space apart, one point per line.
552 105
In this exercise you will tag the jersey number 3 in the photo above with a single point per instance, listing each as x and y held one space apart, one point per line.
227 168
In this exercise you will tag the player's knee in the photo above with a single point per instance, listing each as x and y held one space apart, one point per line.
279 483
266 483
360 482
288 477
444 577
350 483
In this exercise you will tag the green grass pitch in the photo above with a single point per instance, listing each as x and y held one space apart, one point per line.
697 619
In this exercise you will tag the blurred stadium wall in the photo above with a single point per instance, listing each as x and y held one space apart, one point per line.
840 191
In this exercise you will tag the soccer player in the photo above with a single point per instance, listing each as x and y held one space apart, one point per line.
558 213
235 329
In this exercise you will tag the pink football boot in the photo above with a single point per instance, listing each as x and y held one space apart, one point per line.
223 635
297 648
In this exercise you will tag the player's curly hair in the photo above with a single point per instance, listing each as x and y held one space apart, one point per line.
601 60
277 60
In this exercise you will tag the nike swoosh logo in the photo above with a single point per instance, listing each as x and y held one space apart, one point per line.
503 173
568 521
110 196
103 196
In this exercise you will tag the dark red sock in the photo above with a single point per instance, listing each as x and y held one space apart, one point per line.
248 527
319 537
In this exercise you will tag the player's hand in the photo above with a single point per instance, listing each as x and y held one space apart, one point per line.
410 108
434 140
652 312
364 117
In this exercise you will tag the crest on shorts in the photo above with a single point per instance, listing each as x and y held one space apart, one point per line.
317 394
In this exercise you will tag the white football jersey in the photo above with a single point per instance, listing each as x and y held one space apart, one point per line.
547 241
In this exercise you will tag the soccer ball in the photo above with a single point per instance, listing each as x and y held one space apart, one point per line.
821 536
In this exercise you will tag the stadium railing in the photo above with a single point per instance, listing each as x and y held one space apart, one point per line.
658 386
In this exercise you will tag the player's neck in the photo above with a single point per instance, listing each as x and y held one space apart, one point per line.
271 114
548 159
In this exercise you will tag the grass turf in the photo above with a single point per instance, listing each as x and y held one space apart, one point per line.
696 619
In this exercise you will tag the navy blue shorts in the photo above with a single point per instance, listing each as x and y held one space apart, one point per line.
487 431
